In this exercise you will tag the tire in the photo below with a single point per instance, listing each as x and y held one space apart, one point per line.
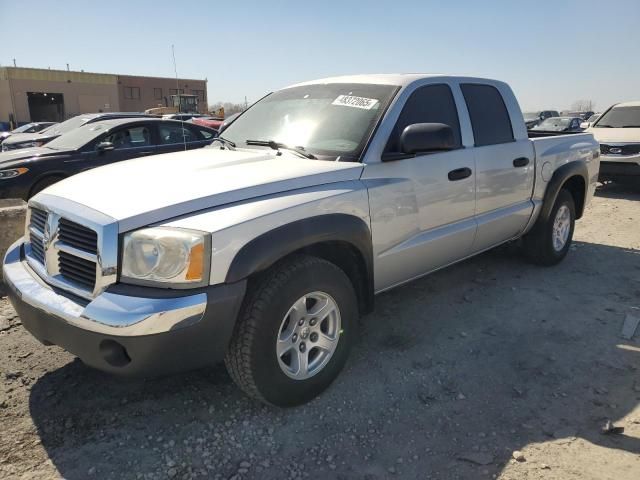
539 244
267 317
42 184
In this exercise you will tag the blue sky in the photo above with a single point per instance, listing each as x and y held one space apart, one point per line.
551 52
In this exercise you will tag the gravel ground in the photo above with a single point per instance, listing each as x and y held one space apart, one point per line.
490 369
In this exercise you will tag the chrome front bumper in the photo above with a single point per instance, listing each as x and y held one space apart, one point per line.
108 313
127 330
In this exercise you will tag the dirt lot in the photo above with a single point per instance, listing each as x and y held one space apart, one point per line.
452 374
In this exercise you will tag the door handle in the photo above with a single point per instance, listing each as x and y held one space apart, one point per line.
521 162
459 174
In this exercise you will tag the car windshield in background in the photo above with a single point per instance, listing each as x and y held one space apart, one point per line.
77 138
554 124
528 116
23 128
620 117
332 119
67 125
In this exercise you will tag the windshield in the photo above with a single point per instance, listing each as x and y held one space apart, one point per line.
78 137
23 128
67 125
554 124
620 117
332 120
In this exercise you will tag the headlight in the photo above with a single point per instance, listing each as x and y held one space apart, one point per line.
176 257
13 172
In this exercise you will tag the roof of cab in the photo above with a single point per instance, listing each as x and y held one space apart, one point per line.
628 104
399 79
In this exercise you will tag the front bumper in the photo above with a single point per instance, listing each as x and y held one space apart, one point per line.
127 330
612 166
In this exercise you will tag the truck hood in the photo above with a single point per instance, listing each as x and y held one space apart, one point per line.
616 135
157 188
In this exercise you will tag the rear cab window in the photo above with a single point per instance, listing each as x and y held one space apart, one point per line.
490 119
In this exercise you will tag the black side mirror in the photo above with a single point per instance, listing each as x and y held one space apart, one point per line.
105 146
426 137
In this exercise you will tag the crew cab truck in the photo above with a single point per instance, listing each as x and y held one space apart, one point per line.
264 248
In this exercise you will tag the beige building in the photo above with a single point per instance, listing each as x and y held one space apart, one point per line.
34 94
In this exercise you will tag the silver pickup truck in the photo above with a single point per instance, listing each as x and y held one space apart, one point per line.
265 248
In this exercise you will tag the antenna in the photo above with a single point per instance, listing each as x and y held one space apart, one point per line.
175 69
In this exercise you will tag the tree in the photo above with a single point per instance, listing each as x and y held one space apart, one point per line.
229 107
583 106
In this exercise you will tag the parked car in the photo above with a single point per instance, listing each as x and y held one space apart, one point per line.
618 131
32 127
264 248
29 140
559 124
582 115
182 116
531 119
27 171
211 122
590 121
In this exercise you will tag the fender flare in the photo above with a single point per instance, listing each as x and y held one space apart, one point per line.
266 249
558 179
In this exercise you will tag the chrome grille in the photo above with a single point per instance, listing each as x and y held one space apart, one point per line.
77 269
71 252
36 233
77 236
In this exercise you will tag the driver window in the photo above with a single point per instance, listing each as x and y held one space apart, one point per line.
129 138
428 104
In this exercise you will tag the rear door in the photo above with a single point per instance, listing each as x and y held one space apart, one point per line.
504 167
422 214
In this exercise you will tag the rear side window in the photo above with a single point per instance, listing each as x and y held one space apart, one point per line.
428 104
171 133
489 116
205 134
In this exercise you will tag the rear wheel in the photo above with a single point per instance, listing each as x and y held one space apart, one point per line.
294 332
549 242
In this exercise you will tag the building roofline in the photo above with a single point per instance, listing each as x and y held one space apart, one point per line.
8 68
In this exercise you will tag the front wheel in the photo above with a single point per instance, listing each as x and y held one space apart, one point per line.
549 242
294 331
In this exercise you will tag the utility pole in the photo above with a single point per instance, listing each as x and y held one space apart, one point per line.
14 62
67 67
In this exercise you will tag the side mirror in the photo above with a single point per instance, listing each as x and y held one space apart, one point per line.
105 146
426 137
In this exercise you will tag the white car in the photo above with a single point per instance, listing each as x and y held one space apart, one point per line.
618 131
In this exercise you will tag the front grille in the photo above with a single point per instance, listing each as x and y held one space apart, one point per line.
632 149
77 269
38 220
77 236
65 253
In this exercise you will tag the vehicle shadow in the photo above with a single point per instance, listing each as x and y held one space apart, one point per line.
627 190
473 362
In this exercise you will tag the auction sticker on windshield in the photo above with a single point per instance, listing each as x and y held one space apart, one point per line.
356 102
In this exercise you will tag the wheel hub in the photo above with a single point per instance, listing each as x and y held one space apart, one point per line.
308 335
561 228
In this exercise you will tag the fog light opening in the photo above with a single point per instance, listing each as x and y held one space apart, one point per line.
114 353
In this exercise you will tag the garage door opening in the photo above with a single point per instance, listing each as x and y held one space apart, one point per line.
46 107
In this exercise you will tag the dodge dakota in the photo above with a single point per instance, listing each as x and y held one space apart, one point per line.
264 248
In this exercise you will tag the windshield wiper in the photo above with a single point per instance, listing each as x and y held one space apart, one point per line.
280 146
224 141
631 126
603 126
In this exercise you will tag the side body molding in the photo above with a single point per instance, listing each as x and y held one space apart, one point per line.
560 176
263 251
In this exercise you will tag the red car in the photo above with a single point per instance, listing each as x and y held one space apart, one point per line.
211 122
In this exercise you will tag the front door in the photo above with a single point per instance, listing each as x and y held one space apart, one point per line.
422 208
